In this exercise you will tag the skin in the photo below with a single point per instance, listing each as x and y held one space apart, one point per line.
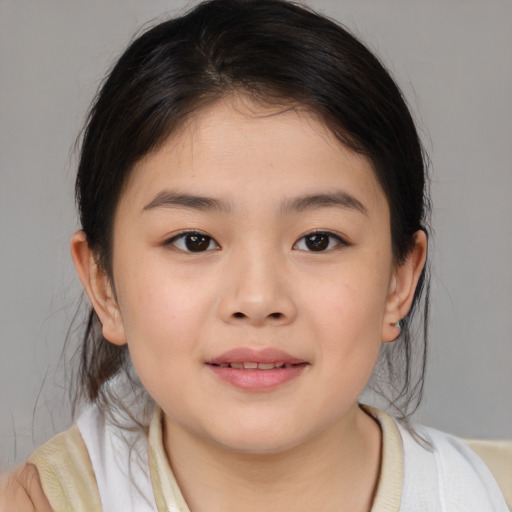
21 491
258 285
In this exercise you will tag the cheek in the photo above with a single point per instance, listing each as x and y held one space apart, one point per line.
354 299
160 310
161 318
348 317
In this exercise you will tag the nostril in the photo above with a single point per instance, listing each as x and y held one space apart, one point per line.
239 314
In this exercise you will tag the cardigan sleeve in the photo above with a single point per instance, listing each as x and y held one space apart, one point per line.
497 456
66 473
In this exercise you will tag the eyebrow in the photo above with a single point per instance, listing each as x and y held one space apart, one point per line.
168 199
340 199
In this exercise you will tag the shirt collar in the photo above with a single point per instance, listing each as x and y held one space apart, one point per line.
168 496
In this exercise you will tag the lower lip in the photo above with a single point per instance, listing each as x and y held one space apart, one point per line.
258 380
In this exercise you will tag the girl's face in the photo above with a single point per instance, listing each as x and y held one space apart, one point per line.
254 277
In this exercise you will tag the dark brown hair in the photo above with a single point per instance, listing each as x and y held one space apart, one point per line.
278 53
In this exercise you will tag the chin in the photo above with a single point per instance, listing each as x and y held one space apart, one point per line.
260 446
258 439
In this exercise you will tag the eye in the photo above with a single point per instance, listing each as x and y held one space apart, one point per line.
193 241
319 241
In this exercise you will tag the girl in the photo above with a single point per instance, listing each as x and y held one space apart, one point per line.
254 241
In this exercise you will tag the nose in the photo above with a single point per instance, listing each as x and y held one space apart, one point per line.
257 292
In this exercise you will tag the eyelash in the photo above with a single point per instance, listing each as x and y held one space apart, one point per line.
329 234
184 234
208 240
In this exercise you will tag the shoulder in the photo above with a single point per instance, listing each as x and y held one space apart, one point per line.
497 455
21 491
446 468
58 477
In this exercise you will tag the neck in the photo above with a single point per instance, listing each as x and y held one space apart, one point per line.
336 470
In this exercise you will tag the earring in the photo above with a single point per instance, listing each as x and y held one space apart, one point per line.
399 325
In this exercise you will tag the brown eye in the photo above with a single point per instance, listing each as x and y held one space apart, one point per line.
197 243
194 242
319 242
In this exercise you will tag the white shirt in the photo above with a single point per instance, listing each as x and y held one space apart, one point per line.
448 478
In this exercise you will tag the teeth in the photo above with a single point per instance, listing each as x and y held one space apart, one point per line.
252 365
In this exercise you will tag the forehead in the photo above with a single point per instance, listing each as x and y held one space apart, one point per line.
239 150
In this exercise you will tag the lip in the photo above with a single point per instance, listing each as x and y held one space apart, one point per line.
255 379
244 354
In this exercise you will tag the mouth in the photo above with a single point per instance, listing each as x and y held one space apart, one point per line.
256 370
253 365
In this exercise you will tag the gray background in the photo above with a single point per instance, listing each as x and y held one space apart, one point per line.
452 58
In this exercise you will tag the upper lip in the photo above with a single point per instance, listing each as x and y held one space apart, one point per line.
246 354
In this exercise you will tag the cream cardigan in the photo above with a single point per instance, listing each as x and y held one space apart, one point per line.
95 466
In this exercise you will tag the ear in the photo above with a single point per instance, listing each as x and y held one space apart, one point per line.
402 288
99 289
